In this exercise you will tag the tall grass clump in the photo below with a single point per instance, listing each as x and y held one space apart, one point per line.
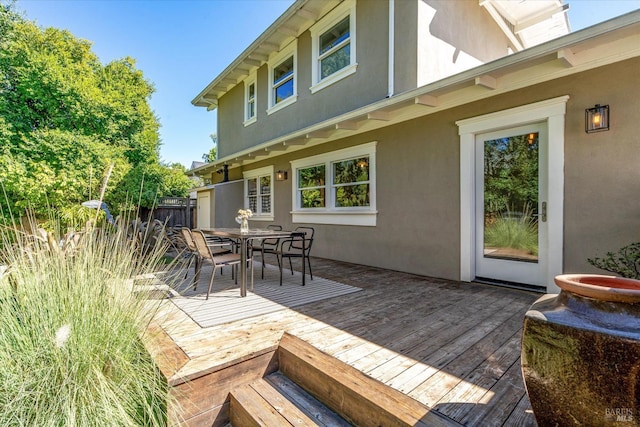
72 328
515 232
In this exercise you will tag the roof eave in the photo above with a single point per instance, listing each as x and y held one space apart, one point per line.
419 95
201 100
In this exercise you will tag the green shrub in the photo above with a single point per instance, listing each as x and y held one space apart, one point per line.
72 338
625 262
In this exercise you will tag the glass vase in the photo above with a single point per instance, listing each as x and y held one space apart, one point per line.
244 225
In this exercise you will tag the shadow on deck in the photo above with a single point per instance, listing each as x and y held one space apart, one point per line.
452 346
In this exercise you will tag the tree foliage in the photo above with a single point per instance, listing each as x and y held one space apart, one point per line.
511 174
625 262
212 155
65 118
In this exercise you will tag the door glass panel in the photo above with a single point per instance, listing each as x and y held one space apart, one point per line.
511 198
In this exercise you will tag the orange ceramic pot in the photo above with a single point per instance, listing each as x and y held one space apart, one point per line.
581 352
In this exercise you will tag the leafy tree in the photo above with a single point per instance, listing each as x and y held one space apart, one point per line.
212 155
54 168
511 174
143 184
65 118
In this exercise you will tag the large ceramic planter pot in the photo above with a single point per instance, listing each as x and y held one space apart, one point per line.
581 352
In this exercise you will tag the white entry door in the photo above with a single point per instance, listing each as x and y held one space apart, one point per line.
511 205
204 211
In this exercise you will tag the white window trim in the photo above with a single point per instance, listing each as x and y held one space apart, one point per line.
347 7
256 173
277 59
552 112
251 80
362 216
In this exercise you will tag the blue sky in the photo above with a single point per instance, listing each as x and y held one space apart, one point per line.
182 45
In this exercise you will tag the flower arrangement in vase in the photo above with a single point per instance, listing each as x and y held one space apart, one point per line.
243 219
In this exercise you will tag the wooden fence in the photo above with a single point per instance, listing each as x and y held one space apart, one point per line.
176 211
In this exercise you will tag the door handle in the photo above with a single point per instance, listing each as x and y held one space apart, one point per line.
543 212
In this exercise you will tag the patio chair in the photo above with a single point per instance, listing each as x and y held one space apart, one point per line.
192 251
224 242
205 252
268 246
298 246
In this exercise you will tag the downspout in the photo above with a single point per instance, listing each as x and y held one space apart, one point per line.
391 61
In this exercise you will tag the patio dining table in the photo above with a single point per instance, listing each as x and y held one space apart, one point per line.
244 239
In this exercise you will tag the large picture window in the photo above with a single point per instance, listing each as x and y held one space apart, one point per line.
333 44
282 78
336 187
258 191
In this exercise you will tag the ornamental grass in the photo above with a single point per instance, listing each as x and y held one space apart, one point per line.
519 233
72 329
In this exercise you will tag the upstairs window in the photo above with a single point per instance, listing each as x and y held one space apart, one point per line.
250 100
282 78
334 51
258 185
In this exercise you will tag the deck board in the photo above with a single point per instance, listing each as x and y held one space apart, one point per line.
450 345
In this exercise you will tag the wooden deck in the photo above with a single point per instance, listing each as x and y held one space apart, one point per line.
452 346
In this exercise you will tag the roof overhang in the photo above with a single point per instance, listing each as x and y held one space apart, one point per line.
609 42
294 21
528 23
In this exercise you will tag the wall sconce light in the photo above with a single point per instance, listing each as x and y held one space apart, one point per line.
596 119
281 175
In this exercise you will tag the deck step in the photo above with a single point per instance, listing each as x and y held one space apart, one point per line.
277 401
358 398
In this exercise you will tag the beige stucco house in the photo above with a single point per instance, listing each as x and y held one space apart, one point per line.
377 122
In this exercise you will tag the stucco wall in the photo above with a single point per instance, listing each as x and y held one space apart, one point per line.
367 85
433 39
418 180
602 170
406 46
438 38
229 199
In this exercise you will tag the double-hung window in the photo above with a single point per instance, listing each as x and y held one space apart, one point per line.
258 192
337 187
250 100
334 46
282 78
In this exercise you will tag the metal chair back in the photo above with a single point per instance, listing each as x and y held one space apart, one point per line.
200 242
188 239
302 240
